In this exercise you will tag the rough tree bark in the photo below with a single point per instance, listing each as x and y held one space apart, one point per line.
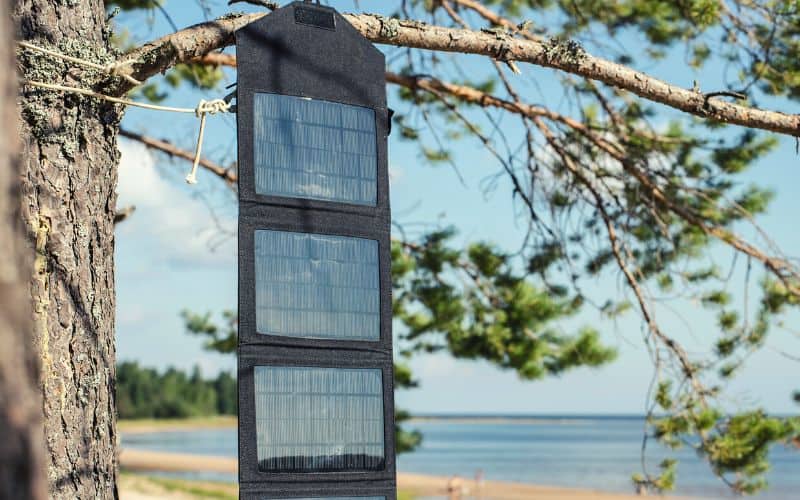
70 162
21 444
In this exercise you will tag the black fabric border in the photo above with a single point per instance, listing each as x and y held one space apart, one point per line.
252 218
250 356
288 491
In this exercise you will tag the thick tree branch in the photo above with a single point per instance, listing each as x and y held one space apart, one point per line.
183 46
568 56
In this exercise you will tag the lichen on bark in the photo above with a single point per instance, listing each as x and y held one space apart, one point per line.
68 202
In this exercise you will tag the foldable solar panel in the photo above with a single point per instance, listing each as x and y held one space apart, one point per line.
316 409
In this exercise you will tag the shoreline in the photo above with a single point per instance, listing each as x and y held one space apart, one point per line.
142 461
149 425
146 426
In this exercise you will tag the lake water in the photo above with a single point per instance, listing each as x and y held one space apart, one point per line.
581 452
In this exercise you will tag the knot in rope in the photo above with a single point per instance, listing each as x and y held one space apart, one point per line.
211 107
122 69
204 108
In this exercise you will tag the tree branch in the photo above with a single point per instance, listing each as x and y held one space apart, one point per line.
123 214
226 174
183 46
496 19
217 59
200 39
481 98
781 268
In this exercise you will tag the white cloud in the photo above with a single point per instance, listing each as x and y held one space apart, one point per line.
177 226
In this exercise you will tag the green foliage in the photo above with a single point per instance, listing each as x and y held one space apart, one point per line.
200 76
736 446
436 155
404 439
403 377
665 481
672 199
223 339
146 393
501 316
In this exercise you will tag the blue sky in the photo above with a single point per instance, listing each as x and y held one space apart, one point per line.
178 251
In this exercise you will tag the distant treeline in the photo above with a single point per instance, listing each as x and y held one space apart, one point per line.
146 393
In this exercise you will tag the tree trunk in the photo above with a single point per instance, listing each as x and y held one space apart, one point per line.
21 444
70 159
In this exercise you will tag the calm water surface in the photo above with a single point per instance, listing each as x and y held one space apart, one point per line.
580 452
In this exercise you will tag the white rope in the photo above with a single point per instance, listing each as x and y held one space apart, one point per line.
118 100
113 69
203 109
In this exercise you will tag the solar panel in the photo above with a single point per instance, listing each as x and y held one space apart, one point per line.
317 286
319 419
306 148
315 372
329 498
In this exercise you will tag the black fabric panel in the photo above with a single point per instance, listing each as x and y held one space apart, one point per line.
313 53
253 217
255 355
286 57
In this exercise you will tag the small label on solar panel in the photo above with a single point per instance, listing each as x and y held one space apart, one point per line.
315 17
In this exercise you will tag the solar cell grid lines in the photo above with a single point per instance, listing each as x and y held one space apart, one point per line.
314 149
319 419
317 286
328 498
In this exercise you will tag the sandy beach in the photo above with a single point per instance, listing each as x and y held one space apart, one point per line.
146 426
140 461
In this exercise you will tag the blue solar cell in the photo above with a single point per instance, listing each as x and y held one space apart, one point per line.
307 148
317 286
330 498
319 419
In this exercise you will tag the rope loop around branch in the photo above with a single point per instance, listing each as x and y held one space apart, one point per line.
121 69
113 68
